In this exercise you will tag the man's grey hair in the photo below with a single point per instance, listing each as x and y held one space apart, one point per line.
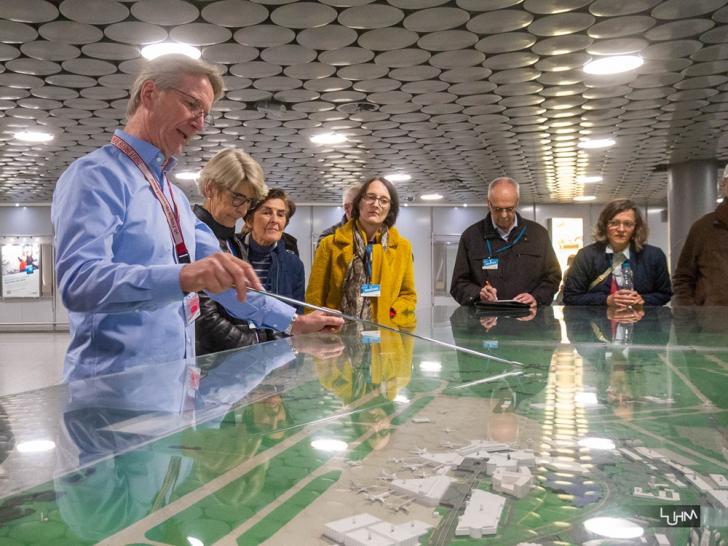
350 193
504 180
167 72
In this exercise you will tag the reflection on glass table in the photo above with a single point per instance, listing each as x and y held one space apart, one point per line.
564 430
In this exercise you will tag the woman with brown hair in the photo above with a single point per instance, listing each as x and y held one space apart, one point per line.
366 267
620 268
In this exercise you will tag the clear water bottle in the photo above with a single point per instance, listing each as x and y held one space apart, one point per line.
627 277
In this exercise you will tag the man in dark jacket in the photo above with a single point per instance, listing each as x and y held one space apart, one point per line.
346 202
703 265
505 256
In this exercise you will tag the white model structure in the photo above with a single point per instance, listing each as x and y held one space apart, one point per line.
367 530
662 540
485 446
671 477
447 459
719 480
428 491
719 496
669 495
630 454
500 461
482 514
338 530
517 483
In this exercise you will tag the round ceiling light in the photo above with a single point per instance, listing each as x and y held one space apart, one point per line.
596 143
586 179
328 138
613 65
157 50
33 136
398 177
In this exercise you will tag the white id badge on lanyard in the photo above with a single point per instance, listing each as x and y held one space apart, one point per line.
371 290
490 263
192 307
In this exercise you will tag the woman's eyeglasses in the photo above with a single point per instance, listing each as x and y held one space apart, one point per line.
370 198
238 200
616 223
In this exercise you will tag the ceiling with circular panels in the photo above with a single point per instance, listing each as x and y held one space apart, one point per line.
453 93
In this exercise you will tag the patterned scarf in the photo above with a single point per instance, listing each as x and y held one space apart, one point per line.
352 302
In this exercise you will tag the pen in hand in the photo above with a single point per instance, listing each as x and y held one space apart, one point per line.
488 292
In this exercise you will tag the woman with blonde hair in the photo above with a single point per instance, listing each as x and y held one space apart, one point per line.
620 269
231 182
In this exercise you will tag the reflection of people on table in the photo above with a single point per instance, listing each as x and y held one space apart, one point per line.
373 369
620 268
502 336
191 435
604 338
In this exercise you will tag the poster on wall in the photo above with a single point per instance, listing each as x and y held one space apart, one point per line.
567 236
20 270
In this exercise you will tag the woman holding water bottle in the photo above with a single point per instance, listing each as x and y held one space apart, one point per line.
619 269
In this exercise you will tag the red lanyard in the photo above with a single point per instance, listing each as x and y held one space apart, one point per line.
183 256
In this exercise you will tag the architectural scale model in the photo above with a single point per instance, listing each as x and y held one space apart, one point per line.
482 514
367 530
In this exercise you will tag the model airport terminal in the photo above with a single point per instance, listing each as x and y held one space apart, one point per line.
554 436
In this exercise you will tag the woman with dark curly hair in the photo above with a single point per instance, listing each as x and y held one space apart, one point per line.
620 268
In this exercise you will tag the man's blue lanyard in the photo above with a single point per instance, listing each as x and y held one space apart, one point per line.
368 262
504 248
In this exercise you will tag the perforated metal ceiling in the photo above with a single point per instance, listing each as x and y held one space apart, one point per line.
452 92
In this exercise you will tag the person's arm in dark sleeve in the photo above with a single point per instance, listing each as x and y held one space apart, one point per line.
462 287
685 279
299 284
662 289
550 278
577 281
216 332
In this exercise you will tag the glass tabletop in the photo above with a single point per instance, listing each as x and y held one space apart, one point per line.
564 426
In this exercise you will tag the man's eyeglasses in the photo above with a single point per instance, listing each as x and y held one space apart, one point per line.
195 107
616 223
498 210
238 200
370 198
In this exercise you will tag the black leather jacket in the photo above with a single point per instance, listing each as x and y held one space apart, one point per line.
215 329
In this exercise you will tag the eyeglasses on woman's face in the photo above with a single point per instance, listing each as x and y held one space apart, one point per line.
615 224
370 198
238 200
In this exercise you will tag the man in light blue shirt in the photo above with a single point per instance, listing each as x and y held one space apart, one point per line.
122 272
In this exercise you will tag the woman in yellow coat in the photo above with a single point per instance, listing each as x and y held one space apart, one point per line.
366 268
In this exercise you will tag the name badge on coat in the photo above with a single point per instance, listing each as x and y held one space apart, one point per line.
371 290
490 263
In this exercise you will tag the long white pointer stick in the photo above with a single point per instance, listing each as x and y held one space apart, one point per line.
294 302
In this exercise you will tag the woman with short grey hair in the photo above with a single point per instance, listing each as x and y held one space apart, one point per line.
232 183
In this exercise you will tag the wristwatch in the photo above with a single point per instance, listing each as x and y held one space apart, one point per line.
289 329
